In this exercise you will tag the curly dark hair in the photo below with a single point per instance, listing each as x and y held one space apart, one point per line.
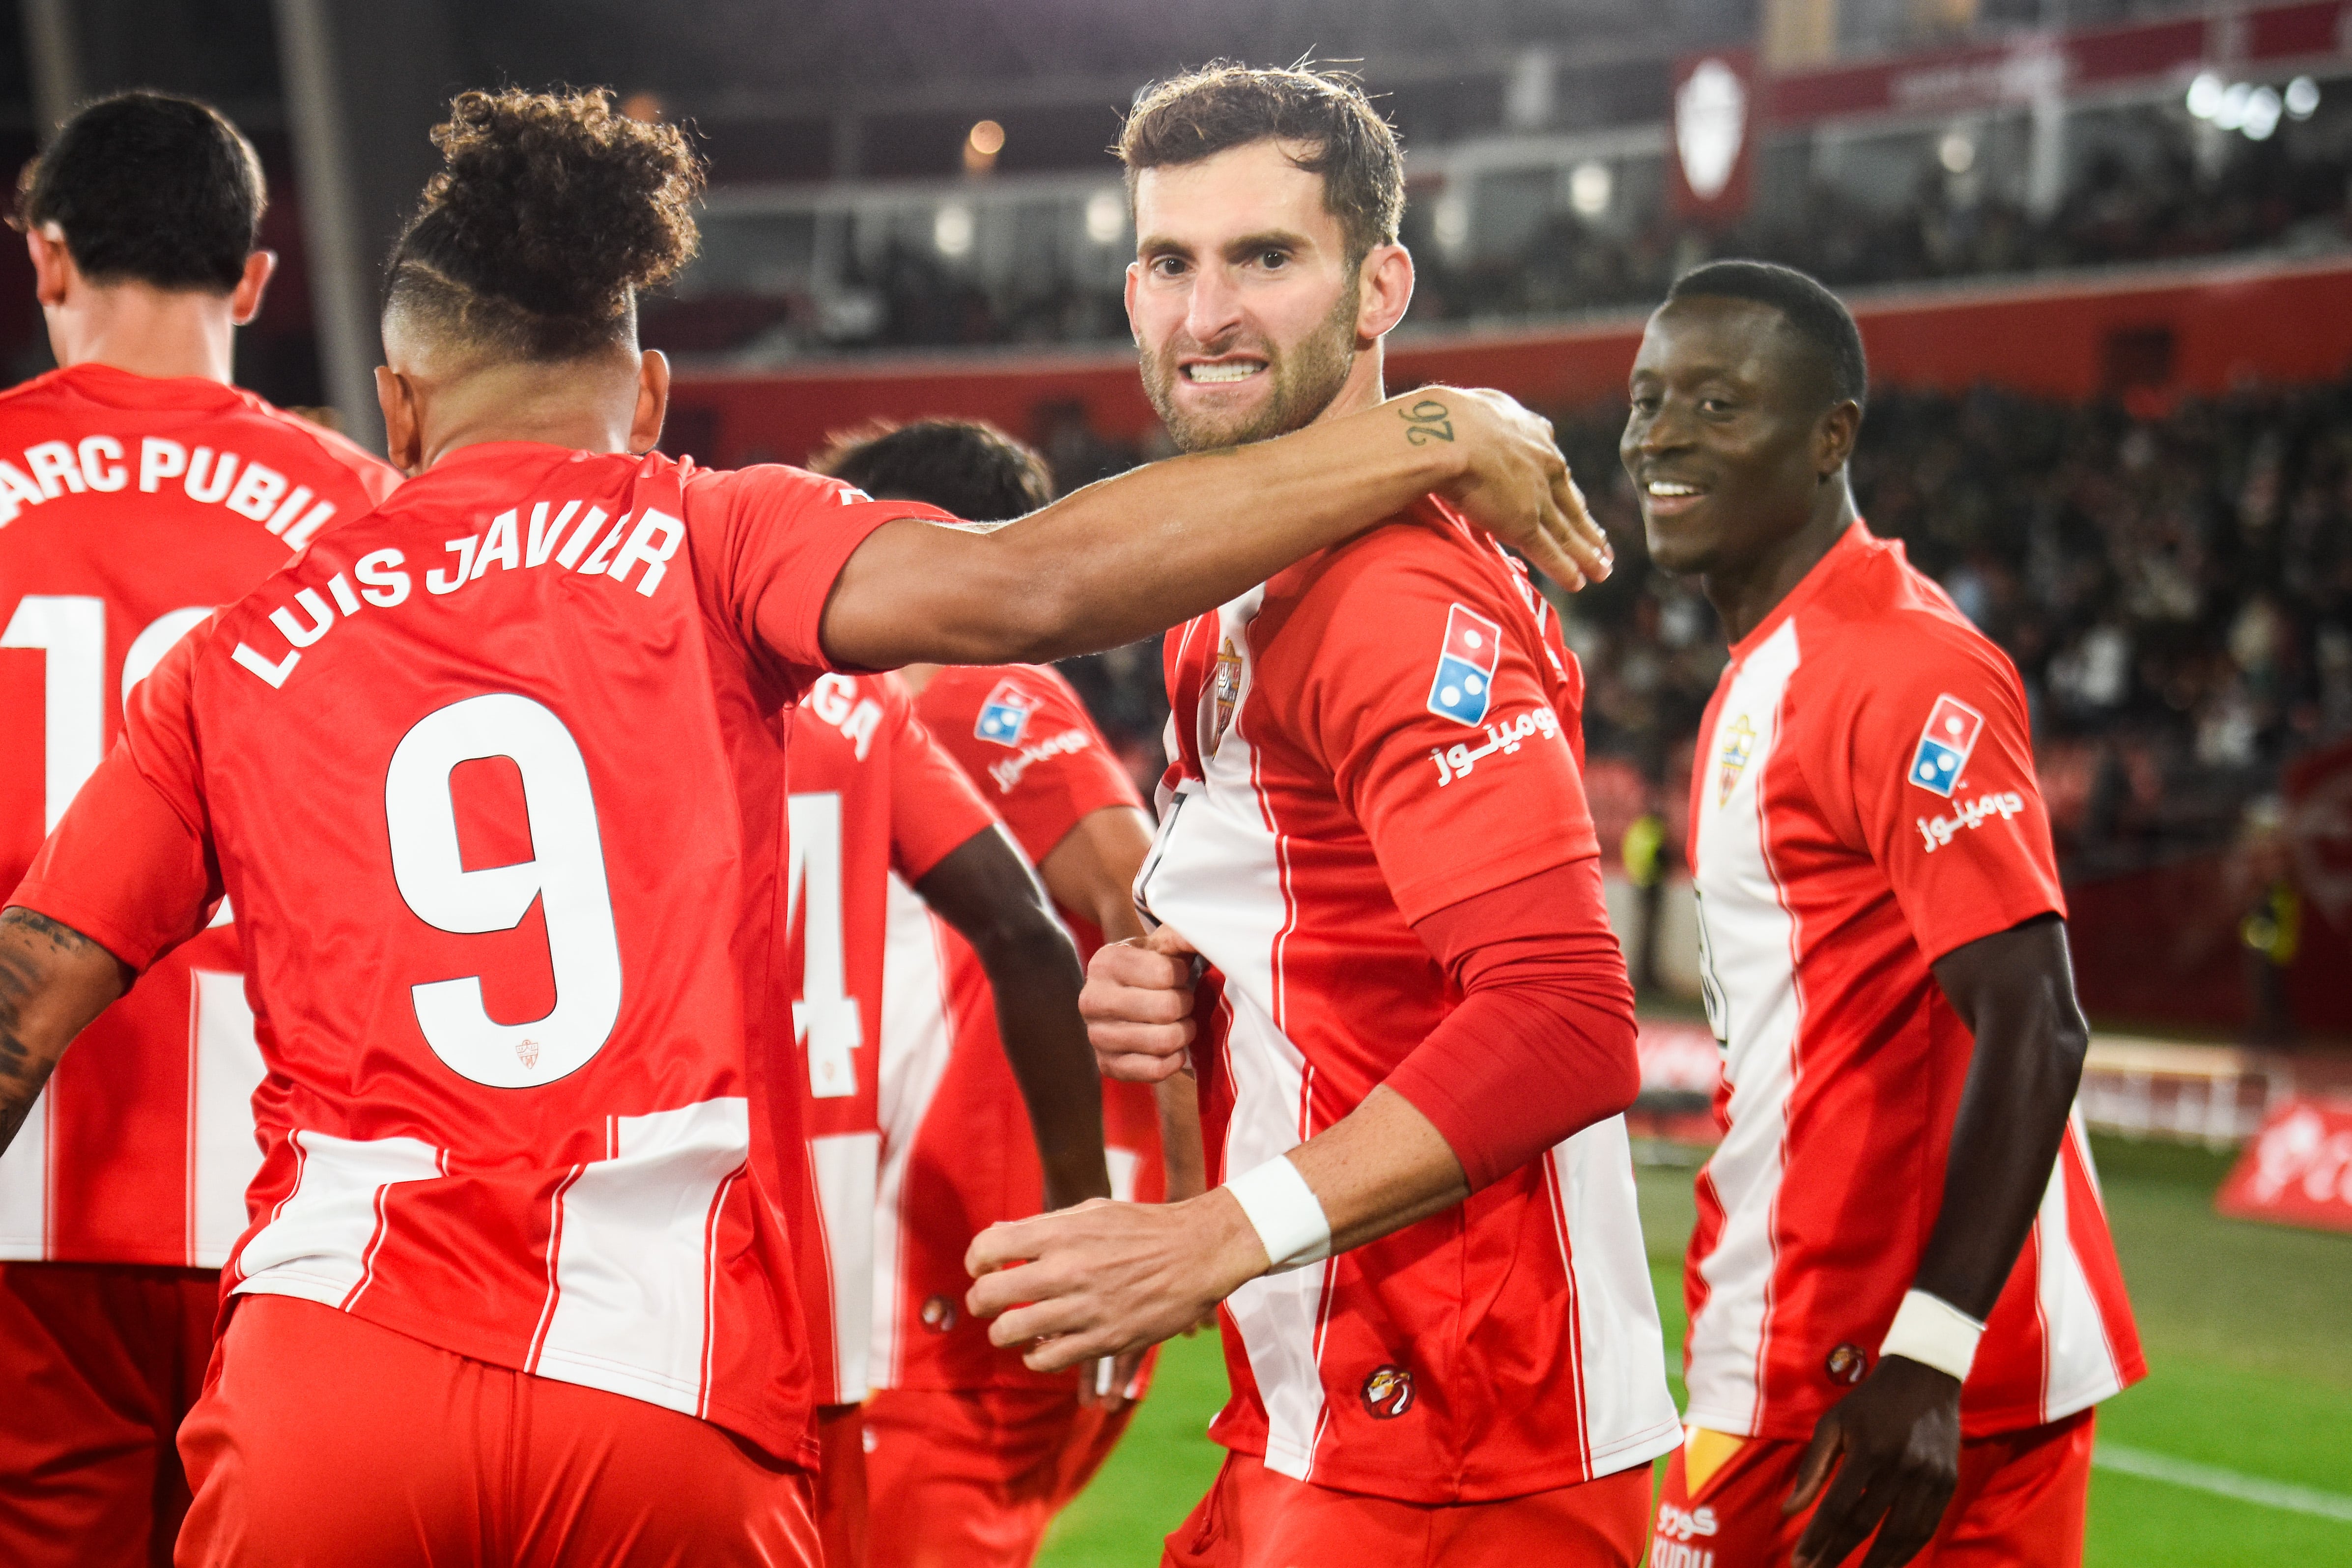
149 188
967 467
551 212
1196 116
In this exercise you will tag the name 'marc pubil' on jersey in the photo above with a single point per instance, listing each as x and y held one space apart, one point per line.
1465 680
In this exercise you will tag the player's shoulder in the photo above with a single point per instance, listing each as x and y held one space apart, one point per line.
770 486
303 435
1425 554
1886 625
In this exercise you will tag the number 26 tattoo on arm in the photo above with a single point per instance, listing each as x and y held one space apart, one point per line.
1426 421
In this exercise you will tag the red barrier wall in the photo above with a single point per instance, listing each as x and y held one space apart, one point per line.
2166 330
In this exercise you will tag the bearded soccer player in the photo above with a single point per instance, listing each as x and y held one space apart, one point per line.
975 1452
1373 829
489 779
1904 1303
137 491
879 809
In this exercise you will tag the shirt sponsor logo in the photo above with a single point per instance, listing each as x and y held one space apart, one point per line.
1506 736
1939 831
1004 715
1007 773
1944 746
1465 666
1685 1523
1738 745
1846 1364
1387 1393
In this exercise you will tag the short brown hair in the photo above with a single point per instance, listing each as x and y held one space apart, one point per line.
1202 113
965 466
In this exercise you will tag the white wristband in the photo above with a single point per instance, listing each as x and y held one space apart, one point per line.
1285 1211
1933 1333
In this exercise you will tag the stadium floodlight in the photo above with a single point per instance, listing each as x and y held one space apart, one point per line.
1589 187
1956 152
2205 95
2229 114
2261 114
2301 98
1106 218
951 230
1450 222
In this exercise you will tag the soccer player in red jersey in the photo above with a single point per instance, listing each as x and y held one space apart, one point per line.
1437 1312
1901 1268
137 491
975 1451
489 778
879 812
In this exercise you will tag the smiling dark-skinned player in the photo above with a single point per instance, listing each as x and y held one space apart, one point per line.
1903 1302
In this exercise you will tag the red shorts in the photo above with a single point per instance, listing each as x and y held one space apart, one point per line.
101 1361
1254 1518
2018 1504
972 1477
841 1513
321 1439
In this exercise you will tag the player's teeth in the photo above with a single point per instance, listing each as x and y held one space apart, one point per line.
1658 488
1219 372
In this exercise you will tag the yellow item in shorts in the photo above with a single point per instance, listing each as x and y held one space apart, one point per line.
1704 1453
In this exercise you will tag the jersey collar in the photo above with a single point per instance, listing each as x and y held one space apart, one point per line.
124 389
1850 545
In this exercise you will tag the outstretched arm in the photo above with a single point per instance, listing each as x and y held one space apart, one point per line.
985 891
1899 1430
1132 556
53 981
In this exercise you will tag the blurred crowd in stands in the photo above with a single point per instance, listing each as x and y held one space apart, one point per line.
2175 584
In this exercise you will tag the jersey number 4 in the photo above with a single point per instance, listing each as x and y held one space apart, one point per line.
825 1015
566 871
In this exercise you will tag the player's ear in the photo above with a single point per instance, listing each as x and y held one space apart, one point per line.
52 263
1134 276
1383 291
403 429
653 401
1833 438
245 299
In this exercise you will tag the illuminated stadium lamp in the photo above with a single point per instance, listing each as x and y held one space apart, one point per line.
2205 95
1450 222
2261 114
1589 185
951 230
1106 218
2229 114
981 147
1956 152
2301 99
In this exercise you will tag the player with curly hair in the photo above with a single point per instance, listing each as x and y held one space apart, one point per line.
489 777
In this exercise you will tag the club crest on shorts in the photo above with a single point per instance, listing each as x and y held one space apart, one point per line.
1944 746
1387 1393
1005 714
1465 666
1738 745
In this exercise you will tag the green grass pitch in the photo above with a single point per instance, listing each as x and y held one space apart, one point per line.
2249 1336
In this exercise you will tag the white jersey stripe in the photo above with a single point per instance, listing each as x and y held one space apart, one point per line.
25 1187
225 1067
2078 1364
318 1240
632 1260
1629 1416
917 1041
847 1165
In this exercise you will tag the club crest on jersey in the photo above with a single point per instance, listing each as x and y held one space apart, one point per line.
1465 666
1004 715
1846 1364
1738 745
1944 746
1224 692
1387 1394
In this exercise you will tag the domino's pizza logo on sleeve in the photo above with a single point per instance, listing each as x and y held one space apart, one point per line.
1465 666
1944 745
1005 715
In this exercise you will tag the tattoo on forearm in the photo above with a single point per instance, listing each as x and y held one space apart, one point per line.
22 1069
1426 421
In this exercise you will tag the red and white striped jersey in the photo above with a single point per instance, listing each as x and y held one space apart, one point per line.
490 779
1863 803
874 800
131 507
1374 735
958 1151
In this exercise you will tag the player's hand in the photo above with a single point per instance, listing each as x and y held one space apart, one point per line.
1514 483
1106 1278
1137 1004
1899 1432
